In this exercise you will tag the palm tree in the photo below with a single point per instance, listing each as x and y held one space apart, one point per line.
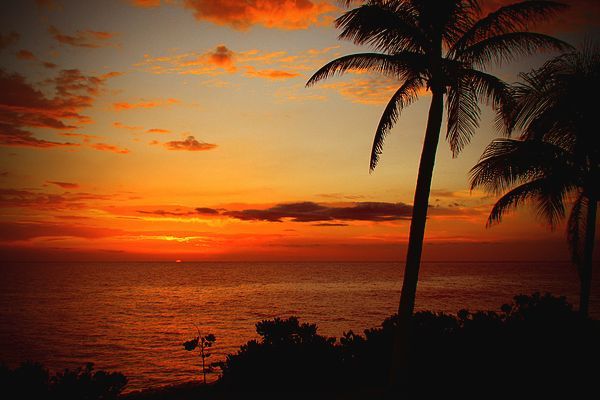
442 46
556 158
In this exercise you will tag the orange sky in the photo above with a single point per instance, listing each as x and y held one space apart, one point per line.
162 130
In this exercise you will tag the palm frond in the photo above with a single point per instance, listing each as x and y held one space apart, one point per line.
506 162
508 47
513 199
576 228
387 26
463 115
511 18
404 96
399 66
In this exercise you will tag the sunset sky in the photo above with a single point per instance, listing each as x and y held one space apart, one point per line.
163 130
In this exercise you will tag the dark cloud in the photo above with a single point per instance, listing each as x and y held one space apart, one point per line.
329 224
8 39
18 231
65 185
181 213
206 211
189 144
21 198
313 212
24 107
26 55
85 38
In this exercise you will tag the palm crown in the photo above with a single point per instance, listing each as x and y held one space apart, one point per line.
556 158
443 46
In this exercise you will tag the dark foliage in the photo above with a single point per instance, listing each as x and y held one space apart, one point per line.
33 381
534 344
289 355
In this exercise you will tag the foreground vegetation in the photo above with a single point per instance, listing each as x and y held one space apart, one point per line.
535 344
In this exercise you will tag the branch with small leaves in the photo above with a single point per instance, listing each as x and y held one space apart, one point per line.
202 343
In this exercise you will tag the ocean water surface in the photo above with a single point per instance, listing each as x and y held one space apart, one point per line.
133 317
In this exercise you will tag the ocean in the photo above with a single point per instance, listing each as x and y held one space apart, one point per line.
134 317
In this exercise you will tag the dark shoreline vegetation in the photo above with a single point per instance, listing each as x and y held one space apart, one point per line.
538 343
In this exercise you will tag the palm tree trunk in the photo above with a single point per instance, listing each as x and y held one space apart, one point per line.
588 251
402 340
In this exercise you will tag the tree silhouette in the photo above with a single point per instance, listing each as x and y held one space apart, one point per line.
556 158
202 343
443 46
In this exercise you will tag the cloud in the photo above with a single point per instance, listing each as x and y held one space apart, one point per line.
217 61
23 198
369 90
120 125
123 106
189 144
145 3
65 185
24 107
314 212
158 130
280 14
21 231
109 147
8 39
178 212
26 55
48 4
86 38
254 63
222 57
270 73
206 211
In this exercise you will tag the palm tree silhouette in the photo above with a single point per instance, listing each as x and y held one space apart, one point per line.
556 158
443 46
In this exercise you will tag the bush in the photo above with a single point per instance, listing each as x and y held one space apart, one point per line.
33 381
534 342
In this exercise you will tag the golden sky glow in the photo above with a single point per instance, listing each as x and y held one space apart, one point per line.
164 130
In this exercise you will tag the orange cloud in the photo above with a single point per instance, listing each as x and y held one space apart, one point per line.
109 147
119 125
86 38
189 144
145 3
252 63
23 107
280 14
158 130
65 185
222 57
26 55
121 106
270 73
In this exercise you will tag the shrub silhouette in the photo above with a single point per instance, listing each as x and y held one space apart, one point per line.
290 355
534 343
33 381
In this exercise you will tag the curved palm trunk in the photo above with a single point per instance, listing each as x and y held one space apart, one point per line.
588 251
402 340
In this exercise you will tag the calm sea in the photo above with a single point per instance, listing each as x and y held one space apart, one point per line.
133 317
